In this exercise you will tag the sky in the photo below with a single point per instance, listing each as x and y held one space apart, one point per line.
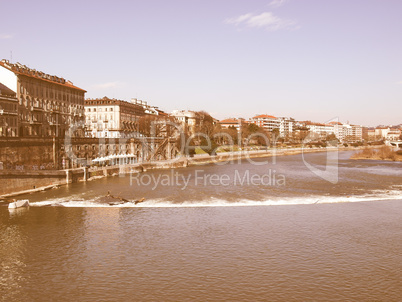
307 59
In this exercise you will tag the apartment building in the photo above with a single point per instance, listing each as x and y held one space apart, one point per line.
268 122
111 118
148 109
47 105
186 118
338 130
347 132
232 122
357 132
323 130
8 112
285 125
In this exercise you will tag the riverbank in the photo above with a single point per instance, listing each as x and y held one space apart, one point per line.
198 160
382 153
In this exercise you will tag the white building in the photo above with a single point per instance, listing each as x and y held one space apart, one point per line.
338 130
148 109
393 134
286 125
268 122
232 123
187 118
357 132
323 130
381 132
111 118
347 132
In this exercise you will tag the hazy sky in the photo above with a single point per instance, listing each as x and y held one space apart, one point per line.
308 59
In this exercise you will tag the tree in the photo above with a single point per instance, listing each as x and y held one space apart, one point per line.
154 125
205 123
275 132
253 134
300 134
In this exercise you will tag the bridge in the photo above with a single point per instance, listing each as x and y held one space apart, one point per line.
397 144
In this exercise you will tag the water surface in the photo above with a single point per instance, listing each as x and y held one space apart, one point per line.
309 240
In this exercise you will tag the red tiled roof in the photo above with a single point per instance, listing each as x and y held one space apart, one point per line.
229 121
36 76
264 116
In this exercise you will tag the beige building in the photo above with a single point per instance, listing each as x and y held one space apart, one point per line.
357 132
186 118
111 118
347 132
323 130
284 125
8 112
393 134
47 105
236 123
268 122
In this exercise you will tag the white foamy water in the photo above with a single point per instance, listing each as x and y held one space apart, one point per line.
213 202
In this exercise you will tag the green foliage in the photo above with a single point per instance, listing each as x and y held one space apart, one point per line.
211 150
198 150
385 152
357 144
319 144
253 128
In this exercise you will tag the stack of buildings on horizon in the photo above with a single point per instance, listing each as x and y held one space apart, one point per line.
36 104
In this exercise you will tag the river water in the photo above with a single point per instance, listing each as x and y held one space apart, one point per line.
268 230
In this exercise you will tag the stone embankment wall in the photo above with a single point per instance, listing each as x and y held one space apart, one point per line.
15 181
22 154
33 154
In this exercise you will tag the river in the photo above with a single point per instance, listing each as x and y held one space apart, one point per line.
268 230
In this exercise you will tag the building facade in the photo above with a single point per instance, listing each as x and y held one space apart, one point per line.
111 118
186 118
284 125
323 130
236 123
47 105
347 132
8 112
268 122
357 132
148 109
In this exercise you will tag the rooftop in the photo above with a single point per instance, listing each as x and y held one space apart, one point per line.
105 101
20 69
264 116
230 121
